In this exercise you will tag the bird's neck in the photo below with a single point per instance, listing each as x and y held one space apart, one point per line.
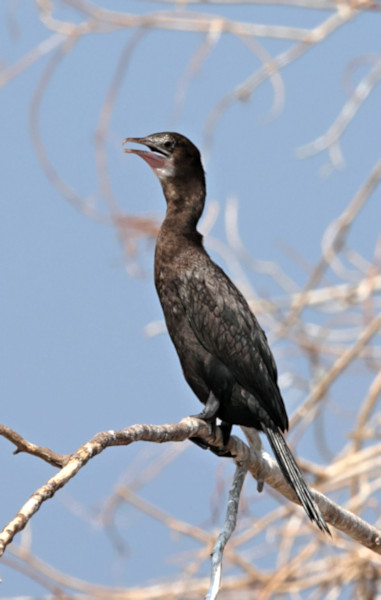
185 203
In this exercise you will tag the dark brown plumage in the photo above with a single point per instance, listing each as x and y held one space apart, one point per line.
223 350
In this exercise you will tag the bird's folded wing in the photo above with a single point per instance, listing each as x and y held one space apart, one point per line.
223 323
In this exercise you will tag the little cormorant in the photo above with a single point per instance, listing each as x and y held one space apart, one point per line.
223 351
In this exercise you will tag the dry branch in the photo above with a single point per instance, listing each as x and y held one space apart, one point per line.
347 306
260 465
330 139
229 526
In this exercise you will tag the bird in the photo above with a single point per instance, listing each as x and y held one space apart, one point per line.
223 351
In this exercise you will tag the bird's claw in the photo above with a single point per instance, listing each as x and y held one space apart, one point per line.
225 429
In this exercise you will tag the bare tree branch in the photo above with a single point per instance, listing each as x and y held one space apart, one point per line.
330 325
347 114
260 465
229 526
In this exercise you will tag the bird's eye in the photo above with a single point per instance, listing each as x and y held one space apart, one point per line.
168 144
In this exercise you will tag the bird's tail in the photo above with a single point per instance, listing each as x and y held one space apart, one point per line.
294 476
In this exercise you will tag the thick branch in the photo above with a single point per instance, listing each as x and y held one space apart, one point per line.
260 465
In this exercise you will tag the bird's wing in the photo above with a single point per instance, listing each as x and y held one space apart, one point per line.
223 323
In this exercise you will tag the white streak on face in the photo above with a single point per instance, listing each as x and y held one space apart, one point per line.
167 170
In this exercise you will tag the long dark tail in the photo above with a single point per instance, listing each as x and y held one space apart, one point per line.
294 477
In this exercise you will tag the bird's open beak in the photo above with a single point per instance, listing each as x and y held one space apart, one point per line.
154 157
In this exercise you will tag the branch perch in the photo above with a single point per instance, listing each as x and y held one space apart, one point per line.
260 465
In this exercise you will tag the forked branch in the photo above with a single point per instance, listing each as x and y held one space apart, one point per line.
259 463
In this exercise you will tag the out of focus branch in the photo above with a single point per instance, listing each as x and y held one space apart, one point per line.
244 90
329 140
334 239
306 410
191 21
308 4
43 48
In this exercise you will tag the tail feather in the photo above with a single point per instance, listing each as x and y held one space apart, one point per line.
294 476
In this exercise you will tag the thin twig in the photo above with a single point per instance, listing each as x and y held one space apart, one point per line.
229 526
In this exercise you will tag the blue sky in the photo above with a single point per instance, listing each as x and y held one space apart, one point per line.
74 357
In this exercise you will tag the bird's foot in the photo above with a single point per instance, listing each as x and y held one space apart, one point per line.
211 422
225 429
215 449
209 415
211 408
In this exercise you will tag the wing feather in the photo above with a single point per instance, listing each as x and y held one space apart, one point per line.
223 323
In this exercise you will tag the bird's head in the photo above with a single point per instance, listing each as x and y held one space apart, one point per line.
170 155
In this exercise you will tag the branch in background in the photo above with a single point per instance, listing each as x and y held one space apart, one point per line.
333 242
330 140
305 411
304 43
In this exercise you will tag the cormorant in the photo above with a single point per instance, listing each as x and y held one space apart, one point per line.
223 350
